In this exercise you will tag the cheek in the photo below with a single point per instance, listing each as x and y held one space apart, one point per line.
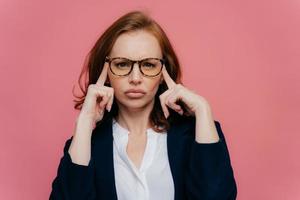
153 86
114 81
115 84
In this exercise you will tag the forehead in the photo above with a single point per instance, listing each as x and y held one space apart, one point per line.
136 45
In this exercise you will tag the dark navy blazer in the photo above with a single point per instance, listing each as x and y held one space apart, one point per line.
200 171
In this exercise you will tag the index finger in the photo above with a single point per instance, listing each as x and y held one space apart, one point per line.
102 78
169 81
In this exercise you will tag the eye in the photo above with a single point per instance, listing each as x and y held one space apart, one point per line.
122 64
148 64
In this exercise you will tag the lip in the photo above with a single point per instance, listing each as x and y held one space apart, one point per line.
135 93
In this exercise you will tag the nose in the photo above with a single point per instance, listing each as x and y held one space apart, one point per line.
135 76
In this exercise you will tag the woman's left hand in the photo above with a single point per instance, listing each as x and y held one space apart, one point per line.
191 101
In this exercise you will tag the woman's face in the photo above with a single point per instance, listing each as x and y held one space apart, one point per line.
135 45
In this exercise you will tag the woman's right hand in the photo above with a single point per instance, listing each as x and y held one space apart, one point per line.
98 98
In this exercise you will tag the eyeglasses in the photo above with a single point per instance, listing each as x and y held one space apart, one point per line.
123 66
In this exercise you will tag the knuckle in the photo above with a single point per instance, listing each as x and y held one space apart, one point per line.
179 87
106 87
105 96
161 96
167 102
90 86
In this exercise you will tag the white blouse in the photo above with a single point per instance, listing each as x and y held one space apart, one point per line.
153 181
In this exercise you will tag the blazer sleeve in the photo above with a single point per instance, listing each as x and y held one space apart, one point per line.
210 174
73 181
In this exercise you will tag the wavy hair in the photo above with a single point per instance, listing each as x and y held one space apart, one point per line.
94 61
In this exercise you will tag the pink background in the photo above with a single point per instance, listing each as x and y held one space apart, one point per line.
242 56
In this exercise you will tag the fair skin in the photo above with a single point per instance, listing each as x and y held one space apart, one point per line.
134 112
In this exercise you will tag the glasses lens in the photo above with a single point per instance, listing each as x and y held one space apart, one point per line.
151 67
120 66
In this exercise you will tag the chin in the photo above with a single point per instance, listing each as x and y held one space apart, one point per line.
135 103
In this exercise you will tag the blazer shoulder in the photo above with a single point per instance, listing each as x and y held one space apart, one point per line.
190 121
188 124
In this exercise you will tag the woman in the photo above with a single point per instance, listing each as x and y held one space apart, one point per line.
140 133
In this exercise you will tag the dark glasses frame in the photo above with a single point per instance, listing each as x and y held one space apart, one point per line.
109 60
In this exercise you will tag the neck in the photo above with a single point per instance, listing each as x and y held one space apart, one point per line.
135 120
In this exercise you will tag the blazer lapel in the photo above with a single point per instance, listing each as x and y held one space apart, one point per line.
104 161
176 153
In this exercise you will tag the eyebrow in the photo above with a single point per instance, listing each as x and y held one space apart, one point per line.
135 59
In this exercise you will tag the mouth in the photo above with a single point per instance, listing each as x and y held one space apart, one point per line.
134 93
